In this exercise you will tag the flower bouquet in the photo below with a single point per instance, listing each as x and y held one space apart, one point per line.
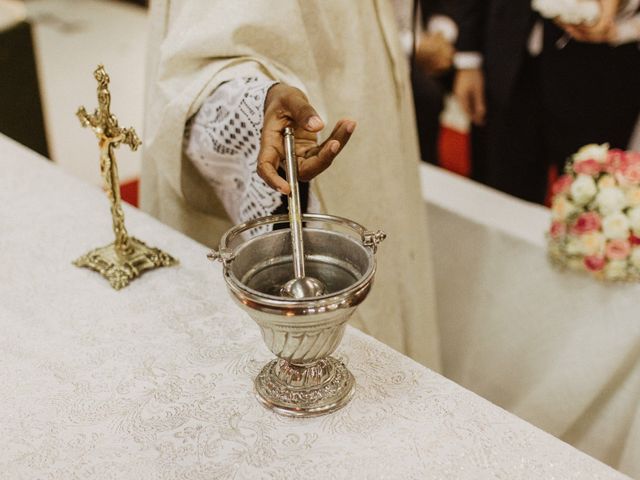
569 11
596 214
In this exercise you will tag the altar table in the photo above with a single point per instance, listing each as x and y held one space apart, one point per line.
155 381
558 349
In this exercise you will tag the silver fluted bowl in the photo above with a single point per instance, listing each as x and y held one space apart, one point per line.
304 380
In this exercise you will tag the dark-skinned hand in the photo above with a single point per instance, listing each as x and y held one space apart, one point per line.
287 106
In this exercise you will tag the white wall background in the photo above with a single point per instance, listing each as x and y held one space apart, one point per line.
71 37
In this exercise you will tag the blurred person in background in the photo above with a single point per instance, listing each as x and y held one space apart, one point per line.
431 72
225 78
536 90
427 34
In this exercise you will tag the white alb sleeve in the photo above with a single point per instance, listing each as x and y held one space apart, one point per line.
222 140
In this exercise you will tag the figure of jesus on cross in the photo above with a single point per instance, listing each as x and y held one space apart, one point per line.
127 257
110 136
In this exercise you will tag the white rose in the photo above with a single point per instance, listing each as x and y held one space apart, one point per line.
607 181
615 270
562 208
586 12
635 257
548 8
610 200
592 151
574 246
633 196
576 263
583 189
616 225
569 11
592 243
634 219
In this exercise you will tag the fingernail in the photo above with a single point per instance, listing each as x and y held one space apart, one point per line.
351 126
334 147
314 122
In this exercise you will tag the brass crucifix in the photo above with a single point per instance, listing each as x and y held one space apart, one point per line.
127 257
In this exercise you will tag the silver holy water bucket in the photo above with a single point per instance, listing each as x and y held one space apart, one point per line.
304 380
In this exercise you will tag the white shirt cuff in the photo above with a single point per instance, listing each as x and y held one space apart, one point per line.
406 40
445 26
467 60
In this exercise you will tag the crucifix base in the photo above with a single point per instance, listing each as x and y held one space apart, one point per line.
121 267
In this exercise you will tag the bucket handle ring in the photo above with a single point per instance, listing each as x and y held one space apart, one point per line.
226 255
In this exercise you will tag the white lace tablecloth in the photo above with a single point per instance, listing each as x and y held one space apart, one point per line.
155 381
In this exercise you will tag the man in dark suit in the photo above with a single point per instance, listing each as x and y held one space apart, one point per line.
431 74
540 91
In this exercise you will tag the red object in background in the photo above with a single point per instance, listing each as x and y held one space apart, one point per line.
454 151
129 191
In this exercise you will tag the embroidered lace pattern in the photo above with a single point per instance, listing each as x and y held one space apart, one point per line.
223 140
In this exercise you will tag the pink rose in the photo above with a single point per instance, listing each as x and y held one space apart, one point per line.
633 240
561 185
632 157
594 263
558 229
588 167
618 249
629 173
615 158
586 222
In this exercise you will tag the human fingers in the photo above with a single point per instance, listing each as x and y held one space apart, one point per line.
469 91
284 106
341 132
445 61
479 106
437 40
598 31
440 61
271 153
268 162
308 168
586 35
574 32
319 160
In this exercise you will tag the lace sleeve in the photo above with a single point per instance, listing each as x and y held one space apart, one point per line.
222 140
